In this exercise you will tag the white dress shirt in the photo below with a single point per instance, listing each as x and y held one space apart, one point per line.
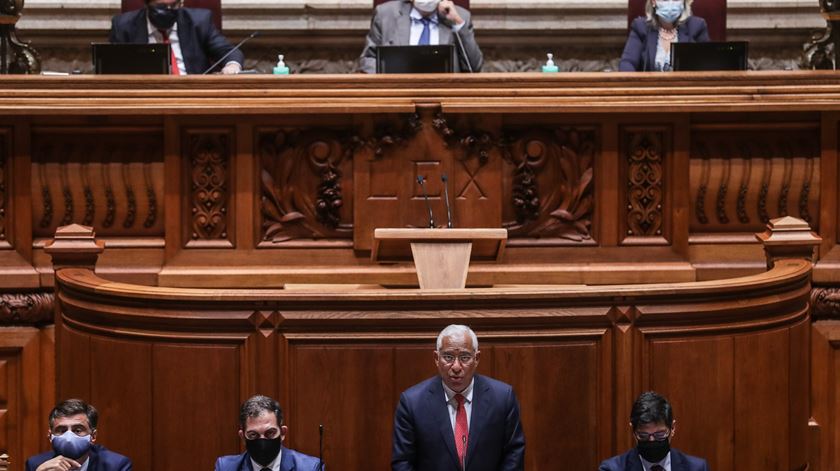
453 404
155 38
273 466
665 463
434 28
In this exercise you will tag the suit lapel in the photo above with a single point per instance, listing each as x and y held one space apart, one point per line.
440 411
286 461
245 464
634 462
140 28
444 33
678 461
651 41
682 33
478 414
402 18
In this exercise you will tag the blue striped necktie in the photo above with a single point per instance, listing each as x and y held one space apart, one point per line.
426 34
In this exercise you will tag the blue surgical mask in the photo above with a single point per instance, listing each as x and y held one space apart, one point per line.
70 445
669 11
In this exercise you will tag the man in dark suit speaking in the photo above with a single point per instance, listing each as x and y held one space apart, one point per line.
458 420
653 425
421 22
194 40
72 435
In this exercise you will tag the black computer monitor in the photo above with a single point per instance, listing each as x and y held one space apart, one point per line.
415 59
709 56
130 58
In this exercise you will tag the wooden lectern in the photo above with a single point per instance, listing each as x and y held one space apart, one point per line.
441 256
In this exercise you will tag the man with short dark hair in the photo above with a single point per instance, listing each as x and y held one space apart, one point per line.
195 42
72 433
653 426
261 428
458 420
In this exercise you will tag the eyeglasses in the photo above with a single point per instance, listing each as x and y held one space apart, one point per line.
464 358
657 436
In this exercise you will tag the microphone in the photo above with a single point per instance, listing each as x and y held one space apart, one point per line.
460 50
320 447
422 181
445 180
234 48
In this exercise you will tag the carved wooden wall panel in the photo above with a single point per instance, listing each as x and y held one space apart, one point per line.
5 161
25 353
549 190
207 157
740 179
645 212
306 184
107 178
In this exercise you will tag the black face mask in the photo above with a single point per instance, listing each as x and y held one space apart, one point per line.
162 17
264 450
655 451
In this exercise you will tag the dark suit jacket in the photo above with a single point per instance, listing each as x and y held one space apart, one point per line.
200 41
423 438
101 459
640 50
630 461
391 26
290 460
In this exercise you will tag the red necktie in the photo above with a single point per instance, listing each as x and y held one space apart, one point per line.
173 61
462 434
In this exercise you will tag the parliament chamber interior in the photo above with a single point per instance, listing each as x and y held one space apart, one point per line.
173 245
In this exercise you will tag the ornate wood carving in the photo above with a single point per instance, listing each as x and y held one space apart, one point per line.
393 133
303 173
775 172
553 181
825 303
26 308
645 153
16 56
208 154
108 178
4 146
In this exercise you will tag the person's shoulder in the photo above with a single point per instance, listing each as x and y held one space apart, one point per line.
695 23
198 15
693 463
492 383
111 457
615 463
228 462
128 17
639 23
302 459
421 387
34 461
389 6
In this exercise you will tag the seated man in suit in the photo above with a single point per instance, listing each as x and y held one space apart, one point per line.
194 40
261 428
653 425
458 420
421 22
72 434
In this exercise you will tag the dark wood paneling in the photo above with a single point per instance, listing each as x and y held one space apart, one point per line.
196 393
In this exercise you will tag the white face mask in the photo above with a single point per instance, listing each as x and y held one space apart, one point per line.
426 6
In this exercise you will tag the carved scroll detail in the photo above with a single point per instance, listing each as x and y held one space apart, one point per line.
302 174
209 157
825 302
553 182
388 135
26 308
645 174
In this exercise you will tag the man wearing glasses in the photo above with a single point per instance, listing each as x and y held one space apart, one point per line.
190 32
653 425
261 428
72 435
458 420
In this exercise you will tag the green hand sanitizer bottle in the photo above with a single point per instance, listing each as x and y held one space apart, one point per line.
550 66
281 68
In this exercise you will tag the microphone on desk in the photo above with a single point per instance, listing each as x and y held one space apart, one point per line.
445 181
460 49
320 447
234 48
422 181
